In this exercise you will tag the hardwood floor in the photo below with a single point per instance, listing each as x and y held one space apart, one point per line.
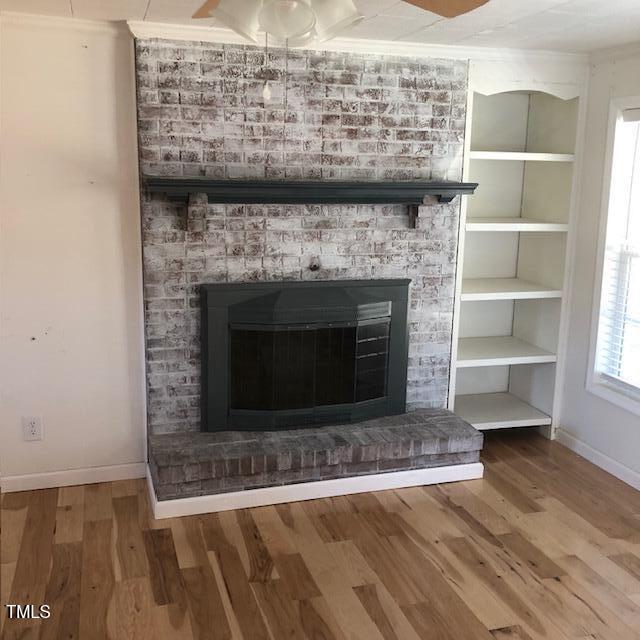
545 546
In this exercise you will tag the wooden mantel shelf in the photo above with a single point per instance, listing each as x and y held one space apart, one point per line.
306 192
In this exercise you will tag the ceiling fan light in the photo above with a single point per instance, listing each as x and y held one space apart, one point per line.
287 19
333 16
241 16
302 40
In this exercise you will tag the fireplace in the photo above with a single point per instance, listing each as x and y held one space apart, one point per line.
279 355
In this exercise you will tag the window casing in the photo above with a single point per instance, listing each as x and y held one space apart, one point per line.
616 361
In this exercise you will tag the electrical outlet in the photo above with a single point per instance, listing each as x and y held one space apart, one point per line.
32 428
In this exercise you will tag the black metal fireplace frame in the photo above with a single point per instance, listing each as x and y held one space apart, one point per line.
217 309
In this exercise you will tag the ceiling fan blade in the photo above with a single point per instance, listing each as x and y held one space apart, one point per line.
448 8
205 10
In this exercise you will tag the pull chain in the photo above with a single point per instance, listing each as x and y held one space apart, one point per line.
266 89
286 77
286 93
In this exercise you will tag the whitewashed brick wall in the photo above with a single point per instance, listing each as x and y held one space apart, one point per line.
347 116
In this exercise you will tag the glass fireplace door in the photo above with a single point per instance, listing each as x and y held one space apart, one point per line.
306 374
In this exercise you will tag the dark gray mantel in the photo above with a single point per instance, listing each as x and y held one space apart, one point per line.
306 192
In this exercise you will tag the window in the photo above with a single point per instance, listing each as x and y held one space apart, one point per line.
617 356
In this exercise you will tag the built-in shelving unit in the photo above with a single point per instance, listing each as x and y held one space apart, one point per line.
511 290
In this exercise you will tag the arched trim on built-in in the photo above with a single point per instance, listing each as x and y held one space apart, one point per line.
562 91
561 79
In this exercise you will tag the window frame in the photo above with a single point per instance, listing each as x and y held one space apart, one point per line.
615 391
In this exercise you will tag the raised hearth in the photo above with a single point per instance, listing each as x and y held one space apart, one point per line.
195 464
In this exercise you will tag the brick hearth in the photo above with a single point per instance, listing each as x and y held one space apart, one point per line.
193 464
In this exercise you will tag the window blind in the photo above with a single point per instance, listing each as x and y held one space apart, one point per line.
631 115
618 346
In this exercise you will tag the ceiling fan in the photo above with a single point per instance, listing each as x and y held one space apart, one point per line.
299 22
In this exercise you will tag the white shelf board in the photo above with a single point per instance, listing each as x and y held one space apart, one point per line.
499 351
498 411
514 224
521 156
476 289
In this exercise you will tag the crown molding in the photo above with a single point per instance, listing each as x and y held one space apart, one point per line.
60 22
185 32
611 54
220 35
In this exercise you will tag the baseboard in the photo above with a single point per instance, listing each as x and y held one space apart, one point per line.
598 458
89 475
310 490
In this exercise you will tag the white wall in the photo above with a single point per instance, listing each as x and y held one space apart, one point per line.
597 429
70 274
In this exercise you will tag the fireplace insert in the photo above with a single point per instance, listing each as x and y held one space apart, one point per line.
279 355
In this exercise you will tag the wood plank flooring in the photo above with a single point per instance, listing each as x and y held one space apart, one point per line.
545 546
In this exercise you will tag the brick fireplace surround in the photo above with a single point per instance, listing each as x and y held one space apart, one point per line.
348 117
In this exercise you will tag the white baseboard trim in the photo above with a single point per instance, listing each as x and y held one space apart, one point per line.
310 490
89 475
598 458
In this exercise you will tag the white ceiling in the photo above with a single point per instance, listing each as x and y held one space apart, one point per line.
563 25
